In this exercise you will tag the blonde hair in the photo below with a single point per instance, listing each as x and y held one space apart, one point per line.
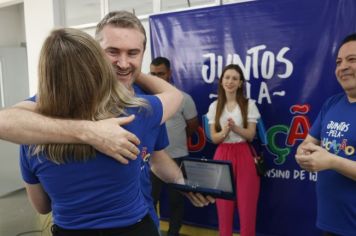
77 82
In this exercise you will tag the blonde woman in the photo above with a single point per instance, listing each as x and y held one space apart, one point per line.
88 192
232 119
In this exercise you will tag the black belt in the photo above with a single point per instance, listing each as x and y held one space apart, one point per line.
56 230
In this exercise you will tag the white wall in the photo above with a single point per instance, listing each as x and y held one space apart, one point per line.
39 21
40 18
147 57
4 3
12 26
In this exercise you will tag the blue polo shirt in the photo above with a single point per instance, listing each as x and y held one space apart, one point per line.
335 127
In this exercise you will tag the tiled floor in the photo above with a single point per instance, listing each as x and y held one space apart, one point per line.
17 218
188 230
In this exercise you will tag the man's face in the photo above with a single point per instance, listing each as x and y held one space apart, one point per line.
346 68
161 71
124 47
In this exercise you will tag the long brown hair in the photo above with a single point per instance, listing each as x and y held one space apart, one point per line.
241 100
77 82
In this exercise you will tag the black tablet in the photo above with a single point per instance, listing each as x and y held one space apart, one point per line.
208 177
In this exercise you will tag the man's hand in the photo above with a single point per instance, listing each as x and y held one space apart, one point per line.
107 136
302 150
198 200
314 158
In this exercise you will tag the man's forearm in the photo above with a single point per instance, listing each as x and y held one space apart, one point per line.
344 166
27 127
23 126
165 168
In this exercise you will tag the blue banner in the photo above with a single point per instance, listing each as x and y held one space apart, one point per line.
287 50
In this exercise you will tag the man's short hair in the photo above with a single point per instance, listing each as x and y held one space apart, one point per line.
120 19
348 38
161 60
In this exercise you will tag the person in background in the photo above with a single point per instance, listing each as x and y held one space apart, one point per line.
88 192
180 126
232 119
329 149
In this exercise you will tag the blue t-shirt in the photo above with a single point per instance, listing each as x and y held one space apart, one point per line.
335 127
155 140
101 192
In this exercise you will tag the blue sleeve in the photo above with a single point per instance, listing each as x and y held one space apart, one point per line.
27 174
162 138
32 99
315 130
316 127
138 90
156 111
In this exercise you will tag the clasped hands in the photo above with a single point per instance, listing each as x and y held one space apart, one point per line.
229 125
313 158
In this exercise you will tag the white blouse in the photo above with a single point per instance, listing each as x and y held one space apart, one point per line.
252 116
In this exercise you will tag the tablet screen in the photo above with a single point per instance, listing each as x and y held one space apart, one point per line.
208 174
208 177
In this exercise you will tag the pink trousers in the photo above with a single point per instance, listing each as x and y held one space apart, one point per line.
247 190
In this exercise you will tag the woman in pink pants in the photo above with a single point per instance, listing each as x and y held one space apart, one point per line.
232 119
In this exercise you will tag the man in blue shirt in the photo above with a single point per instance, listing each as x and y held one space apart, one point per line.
330 147
123 39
